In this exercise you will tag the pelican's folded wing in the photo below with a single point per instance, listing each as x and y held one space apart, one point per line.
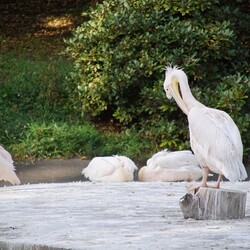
100 167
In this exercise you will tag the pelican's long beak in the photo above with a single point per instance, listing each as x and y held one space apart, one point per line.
174 87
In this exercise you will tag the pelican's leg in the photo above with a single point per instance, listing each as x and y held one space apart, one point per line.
204 178
195 187
217 185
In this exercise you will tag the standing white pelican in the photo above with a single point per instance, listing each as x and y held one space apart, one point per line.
171 166
214 137
7 168
110 169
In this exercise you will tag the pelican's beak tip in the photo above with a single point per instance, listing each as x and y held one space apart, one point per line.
169 96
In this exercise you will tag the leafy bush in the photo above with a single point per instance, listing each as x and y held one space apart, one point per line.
57 140
128 142
34 84
32 89
120 53
41 118
62 140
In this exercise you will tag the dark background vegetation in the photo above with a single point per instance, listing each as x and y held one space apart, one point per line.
46 106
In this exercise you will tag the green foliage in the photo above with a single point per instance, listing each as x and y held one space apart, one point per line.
34 84
32 89
119 56
121 50
57 140
62 140
129 142
41 116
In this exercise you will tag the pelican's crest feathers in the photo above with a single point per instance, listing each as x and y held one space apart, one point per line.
170 69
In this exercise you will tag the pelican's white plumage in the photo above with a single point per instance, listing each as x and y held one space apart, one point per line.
214 137
171 166
7 169
110 169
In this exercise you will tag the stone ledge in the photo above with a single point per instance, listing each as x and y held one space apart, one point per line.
214 204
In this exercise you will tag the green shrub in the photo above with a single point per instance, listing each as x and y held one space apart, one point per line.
120 53
33 89
62 140
129 142
57 140
34 85
41 118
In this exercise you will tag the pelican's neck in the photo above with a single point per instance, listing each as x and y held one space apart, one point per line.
186 93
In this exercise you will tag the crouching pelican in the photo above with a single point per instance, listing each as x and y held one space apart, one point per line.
7 168
171 166
214 137
110 169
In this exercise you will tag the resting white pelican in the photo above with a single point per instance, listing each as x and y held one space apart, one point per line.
214 137
171 166
110 169
7 168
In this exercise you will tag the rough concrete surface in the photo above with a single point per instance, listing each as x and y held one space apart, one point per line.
85 215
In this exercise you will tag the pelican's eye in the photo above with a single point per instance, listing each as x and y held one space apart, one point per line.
168 93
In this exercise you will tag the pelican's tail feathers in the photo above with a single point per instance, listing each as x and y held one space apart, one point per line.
239 173
11 177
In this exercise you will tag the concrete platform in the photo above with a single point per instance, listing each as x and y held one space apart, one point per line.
85 215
